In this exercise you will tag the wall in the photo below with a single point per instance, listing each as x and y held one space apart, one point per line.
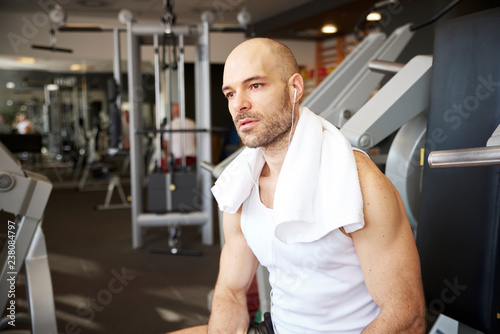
19 31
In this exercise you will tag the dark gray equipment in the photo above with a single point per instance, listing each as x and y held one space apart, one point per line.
25 194
175 195
458 235
115 114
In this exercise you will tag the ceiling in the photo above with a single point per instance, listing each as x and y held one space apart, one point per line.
282 19
187 11
284 14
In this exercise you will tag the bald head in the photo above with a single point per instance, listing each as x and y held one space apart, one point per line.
277 55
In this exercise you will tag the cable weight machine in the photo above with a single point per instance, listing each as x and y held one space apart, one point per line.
194 207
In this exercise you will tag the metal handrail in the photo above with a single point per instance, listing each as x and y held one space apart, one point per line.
469 157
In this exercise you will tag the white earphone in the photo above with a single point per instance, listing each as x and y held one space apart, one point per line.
293 116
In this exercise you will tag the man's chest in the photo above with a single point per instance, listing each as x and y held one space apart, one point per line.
267 188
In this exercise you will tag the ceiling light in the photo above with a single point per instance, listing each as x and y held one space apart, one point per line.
79 67
52 87
10 85
329 29
374 16
26 60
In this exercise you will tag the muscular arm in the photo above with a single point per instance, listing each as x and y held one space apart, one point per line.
237 269
388 255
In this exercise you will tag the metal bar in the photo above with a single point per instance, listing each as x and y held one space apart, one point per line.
469 157
203 120
157 100
116 59
117 71
172 218
382 66
83 28
136 156
182 99
143 29
145 131
39 286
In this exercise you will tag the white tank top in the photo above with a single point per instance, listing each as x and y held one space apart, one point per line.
317 287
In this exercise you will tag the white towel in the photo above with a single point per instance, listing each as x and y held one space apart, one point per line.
318 188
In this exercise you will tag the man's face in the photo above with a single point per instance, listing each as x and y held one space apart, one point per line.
258 99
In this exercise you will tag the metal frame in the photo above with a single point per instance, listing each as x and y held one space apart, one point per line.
405 96
141 219
347 88
26 197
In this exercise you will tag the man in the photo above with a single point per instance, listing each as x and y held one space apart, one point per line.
182 143
23 125
335 267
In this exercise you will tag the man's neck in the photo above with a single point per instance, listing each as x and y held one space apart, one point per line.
274 161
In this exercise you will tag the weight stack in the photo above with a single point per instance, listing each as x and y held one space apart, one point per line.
183 192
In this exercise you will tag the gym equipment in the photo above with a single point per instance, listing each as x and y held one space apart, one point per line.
175 190
25 194
197 35
345 90
458 232
469 157
398 101
466 157
400 104
114 183
22 143
447 325
115 98
57 17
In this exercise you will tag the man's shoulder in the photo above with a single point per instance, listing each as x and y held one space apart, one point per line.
369 174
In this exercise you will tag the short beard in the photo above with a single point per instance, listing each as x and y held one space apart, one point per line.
276 127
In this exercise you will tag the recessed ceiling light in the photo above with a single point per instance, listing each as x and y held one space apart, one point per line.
329 29
374 16
10 85
26 60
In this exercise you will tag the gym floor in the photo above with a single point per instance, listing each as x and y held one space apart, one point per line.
102 285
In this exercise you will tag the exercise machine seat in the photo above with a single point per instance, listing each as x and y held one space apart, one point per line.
458 235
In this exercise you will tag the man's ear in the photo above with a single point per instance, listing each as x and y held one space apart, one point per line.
296 82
